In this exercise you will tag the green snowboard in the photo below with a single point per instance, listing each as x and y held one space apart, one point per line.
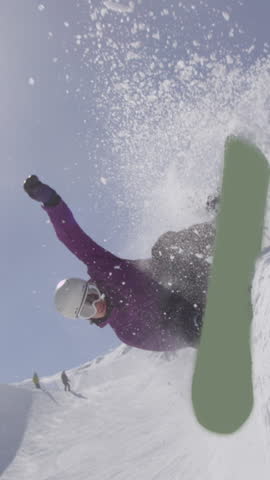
222 391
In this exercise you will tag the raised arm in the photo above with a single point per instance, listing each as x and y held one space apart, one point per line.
99 261
76 240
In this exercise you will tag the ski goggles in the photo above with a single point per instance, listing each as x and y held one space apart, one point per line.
91 296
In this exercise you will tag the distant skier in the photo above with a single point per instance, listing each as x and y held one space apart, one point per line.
36 381
154 304
65 381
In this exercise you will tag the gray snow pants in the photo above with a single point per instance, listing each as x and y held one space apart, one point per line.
181 261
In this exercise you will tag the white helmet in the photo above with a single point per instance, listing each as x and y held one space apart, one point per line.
69 295
76 298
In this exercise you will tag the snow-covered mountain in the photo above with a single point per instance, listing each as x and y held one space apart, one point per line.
129 415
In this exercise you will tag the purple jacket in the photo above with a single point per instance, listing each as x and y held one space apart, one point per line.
136 314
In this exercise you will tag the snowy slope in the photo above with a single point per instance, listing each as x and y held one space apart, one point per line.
129 415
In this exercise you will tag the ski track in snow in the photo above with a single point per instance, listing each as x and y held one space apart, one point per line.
130 415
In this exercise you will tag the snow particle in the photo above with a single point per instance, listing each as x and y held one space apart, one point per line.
226 16
78 39
229 59
118 7
31 81
250 49
103 12
41 7
156 36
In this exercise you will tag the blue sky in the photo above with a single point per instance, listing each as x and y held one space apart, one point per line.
65 68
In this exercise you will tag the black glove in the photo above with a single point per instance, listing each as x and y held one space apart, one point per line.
40 191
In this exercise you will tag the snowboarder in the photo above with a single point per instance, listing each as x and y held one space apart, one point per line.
65 381
154 304
35 380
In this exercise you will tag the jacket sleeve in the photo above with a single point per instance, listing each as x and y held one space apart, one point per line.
99 261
